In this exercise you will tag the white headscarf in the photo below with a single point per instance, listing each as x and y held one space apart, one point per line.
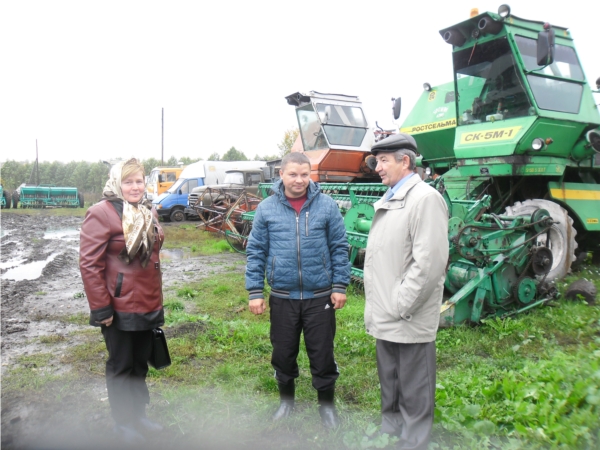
138 226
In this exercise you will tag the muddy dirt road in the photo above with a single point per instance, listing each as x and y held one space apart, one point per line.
44 312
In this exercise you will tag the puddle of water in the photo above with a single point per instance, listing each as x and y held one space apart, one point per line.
12 263
67 234
175 253
29 271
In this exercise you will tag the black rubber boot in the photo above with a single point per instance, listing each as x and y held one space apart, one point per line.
286 400
329 417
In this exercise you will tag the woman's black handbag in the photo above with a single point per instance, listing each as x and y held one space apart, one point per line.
159 359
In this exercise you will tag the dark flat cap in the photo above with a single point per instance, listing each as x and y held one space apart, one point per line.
395 142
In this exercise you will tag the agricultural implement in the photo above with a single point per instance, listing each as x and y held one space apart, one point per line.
45 196
36 195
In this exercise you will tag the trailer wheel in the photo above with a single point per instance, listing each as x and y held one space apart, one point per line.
177 215
15 199
583 288
6 201
560 239
80 197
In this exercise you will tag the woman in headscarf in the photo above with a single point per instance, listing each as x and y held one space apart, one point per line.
120 267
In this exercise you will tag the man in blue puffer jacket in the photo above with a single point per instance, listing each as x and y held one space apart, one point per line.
298 242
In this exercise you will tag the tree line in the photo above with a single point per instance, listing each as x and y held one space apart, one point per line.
90 177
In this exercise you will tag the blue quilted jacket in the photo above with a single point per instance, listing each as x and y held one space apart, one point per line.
302 255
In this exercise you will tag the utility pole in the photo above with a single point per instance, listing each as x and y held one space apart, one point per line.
34 177
37 164
162 144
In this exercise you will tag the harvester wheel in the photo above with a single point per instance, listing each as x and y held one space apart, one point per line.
583 288
15 199
560 239
177 215
80 197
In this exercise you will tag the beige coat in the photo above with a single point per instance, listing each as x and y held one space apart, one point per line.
405 264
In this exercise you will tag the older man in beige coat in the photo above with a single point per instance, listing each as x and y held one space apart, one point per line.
404 272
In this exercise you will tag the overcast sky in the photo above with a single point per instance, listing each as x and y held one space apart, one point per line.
88 79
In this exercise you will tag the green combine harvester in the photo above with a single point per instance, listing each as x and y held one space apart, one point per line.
513 145
519 130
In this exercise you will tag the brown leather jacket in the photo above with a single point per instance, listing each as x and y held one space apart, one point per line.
130 293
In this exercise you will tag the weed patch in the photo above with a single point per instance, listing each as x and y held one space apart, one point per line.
30 373
197 241
53 339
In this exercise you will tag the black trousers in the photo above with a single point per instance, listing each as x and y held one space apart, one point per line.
126 369
407 379
316 318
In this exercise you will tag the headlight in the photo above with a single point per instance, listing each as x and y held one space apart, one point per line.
537 144
504 11
158 206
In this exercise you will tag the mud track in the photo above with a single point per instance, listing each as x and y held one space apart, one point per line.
47 315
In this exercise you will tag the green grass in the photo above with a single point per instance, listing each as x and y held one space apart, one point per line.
78 319
29 374
53 339
529 381
197 241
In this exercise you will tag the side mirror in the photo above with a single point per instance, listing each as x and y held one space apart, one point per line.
179 192
545 46
160 178
397 107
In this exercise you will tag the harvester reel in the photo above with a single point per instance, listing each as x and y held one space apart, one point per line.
224 215
238 242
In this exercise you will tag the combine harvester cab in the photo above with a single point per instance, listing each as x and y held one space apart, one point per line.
513 143
337 139
335 136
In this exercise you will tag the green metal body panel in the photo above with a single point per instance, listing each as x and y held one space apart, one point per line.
433 124
499 138
582 199
511 166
